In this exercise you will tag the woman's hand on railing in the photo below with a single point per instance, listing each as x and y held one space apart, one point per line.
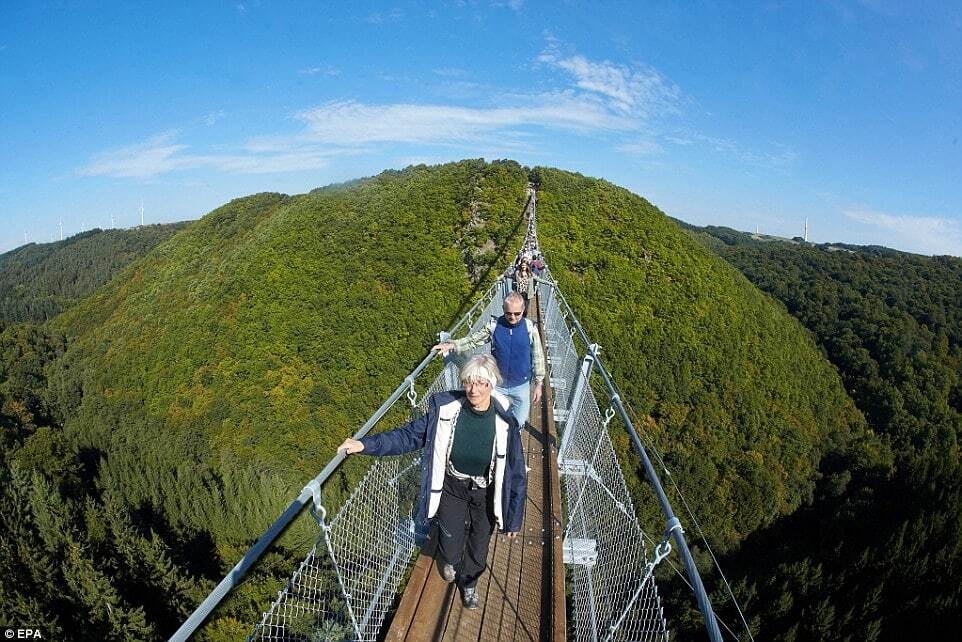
350 446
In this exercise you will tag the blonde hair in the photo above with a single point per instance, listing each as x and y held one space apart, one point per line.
481 367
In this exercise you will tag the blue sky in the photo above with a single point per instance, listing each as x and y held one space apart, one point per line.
750 115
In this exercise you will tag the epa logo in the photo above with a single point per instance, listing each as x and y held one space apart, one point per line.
23 634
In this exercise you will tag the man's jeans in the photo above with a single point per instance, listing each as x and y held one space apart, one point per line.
520 398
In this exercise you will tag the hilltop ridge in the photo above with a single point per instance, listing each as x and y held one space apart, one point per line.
38 281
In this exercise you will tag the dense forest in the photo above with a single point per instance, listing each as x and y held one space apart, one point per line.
155 427
37 282
883 556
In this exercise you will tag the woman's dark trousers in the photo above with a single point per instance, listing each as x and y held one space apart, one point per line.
465 523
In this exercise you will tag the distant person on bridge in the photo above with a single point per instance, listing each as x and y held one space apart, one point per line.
472 470
537 265
508 277
524 282
516 346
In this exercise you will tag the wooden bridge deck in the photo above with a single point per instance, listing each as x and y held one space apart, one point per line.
522 589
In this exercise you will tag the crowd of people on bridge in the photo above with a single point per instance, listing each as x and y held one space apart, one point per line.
473 474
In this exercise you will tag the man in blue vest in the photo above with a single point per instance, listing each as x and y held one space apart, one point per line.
516 347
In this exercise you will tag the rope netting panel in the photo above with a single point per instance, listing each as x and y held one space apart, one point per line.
345 587
614 595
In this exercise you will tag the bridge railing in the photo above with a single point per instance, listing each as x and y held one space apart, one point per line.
613 589
614 597
346 585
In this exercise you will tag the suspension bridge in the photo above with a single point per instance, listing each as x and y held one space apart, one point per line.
582 567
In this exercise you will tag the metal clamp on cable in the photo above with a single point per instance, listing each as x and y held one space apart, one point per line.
412 393
316 506
661 552
673 524
609 415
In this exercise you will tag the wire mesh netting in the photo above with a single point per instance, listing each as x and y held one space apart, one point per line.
346 595
614 596
345 587
562 356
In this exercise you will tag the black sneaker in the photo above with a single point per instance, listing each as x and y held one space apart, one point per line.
448 573
470 599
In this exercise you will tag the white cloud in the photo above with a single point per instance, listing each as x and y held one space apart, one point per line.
641 148
160 155
394 15
777 156
156 155
923 234
604 98
680 140
327 70
351 123
450 72
404 161
601 98
342 127
638 90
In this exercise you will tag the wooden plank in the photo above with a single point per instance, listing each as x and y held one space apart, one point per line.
526 594
431 613
464 624
527 625
520 558
495 601
409 601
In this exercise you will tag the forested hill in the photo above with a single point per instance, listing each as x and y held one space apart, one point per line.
891 322
38 282
153 430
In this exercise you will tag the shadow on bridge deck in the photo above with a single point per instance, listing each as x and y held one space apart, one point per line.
522 591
